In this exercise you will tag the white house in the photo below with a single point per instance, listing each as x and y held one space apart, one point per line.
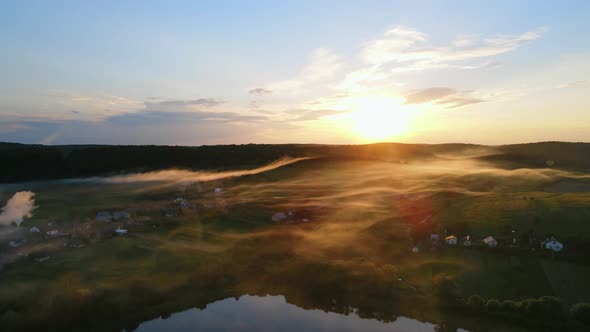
121 215
554 245
451 240
279 216
121 231
17 243
467 241
490 242
35 230
52 233
218 190
103 216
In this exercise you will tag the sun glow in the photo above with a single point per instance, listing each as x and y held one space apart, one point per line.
379 118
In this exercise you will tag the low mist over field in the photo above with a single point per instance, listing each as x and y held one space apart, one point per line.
364 217
19 206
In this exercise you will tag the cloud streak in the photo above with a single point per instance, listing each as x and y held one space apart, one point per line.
448 97
260 92
203 102
401 47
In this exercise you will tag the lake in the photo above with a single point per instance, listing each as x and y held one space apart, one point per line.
273 313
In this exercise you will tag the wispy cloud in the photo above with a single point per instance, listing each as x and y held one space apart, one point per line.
572 84
310 115
428 95
203 102
448 97
149 117
403 48
259 92
323 64
459 101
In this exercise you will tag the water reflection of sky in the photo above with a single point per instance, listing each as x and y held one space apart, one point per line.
272 313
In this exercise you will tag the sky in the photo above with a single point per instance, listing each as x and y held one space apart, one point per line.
335 72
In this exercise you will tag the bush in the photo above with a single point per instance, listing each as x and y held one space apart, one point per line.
581 312
543 307
493 305
476 303
447 291
553 306
510 306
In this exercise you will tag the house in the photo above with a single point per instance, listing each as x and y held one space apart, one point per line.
218 190
451 240
467 241
553 245
279 216
121 231
435 237
35 230
42 258
415 250
103 216
52 233
17 243
121 215
490 242
171 212
74 243
181 201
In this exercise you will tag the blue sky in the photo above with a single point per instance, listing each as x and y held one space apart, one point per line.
212 72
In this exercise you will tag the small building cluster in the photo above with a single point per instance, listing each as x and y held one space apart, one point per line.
291 217
550 243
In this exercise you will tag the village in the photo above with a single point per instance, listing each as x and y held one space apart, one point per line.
550 244
48 237
39 242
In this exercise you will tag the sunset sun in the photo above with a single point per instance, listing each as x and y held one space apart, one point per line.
378 118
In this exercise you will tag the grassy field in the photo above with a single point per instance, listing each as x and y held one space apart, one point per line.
354 251
569 281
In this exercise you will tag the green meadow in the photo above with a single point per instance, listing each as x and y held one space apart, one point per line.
363 219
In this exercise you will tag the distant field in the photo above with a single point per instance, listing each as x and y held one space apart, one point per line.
569 281
363 218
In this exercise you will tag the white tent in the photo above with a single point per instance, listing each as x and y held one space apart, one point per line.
451 240
104 216
121 231
554 245
279 216
490 242
467 241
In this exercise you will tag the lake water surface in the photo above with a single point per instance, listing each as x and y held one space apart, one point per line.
273 313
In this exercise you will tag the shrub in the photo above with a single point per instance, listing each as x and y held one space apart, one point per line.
553 306
493 305
447 291
581 312
510 306
545 307
476 303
